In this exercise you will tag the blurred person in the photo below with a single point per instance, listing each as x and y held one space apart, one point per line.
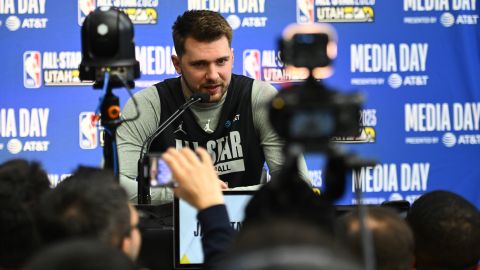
18 236
281 243
81 255
24 179
197 184
233 126
90 204
446 228
288 197
22 183
393 242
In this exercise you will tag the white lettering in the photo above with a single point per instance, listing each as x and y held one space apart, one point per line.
373 58
251 6
34 23
425 5
464 5
415 80
413 57
427 117
414 176
155 60
467 19
222 6
254 22
466 116
382 177
7 7
36 146
8 127
49 60
368 117
235 141
69 60
33 123
31 6
211 149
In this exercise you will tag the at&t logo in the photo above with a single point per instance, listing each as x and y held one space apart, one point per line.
395 80
449 139
13 23
14 146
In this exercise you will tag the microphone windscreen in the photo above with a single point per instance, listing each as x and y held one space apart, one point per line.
203 97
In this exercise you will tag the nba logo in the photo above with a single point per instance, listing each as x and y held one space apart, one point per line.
305 11
84 8
251 64
88 130
32 73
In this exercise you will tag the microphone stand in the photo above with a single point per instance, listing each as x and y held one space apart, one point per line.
143 184
110 120
110 111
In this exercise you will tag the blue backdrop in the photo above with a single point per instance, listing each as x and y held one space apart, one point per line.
417 62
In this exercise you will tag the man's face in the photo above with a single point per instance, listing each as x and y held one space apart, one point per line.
206 67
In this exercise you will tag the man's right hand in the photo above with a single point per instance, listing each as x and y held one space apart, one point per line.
198 183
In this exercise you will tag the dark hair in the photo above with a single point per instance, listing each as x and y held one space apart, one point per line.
201 25
287 196
392 238
280 232
447 231
23 179
81 255
18 237
286 244
90 203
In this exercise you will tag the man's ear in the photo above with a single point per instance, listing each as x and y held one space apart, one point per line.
126 245
176 64
232 55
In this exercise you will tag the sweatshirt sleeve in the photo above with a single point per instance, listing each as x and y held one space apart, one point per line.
217 233
130 137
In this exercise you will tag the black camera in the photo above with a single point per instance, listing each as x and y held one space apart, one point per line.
310 113
108 44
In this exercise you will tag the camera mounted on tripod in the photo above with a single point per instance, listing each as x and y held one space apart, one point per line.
310 113
108 59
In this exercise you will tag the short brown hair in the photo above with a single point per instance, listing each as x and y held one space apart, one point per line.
201 25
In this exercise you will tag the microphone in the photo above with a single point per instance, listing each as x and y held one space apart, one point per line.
204 97
143 192
194 98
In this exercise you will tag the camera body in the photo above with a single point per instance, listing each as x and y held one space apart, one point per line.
309 113
306 50
108 44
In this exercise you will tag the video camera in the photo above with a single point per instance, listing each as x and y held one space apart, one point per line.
310 113
108 59
108 45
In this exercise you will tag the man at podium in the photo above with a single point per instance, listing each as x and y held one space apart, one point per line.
232 125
